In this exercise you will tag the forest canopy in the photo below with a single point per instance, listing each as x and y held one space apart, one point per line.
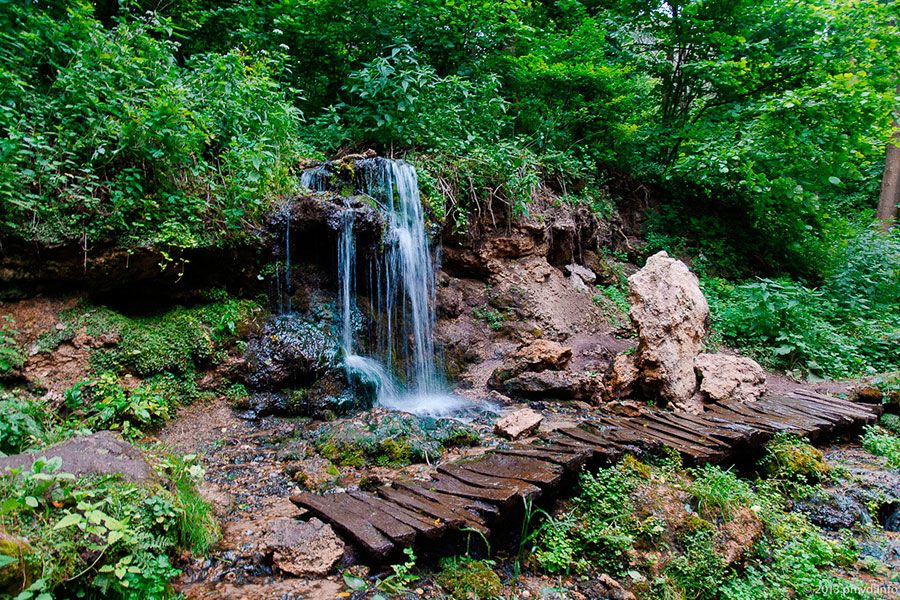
178 123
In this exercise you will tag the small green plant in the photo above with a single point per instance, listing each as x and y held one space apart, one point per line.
11 355
492 317
613 299
394 584
21 422
881 443
719 491
103 403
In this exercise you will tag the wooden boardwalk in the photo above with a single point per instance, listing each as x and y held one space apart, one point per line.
477 494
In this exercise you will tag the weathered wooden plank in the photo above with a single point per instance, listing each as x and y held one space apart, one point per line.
477 510
429 508
861 412
570 461
681 431
447 484
518 467
399 532
431 528
354 527
517 486
714 428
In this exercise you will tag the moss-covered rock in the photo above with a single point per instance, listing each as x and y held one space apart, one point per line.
386 438
16 573
464 578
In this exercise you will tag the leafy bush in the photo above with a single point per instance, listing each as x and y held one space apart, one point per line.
879 442
11 355
598 530
21 423
92 536
110 135
103 403
847 327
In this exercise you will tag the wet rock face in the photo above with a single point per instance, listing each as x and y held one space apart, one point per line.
724 376
291 350
101 453
540 355
294 368
833 511
670 313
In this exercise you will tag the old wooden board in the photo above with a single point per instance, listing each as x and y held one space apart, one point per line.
328 508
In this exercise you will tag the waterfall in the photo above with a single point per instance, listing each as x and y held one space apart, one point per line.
402 291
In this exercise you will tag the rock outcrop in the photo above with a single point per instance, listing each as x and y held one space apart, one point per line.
670 314
539 355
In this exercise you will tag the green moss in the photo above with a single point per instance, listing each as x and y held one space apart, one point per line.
464 578
792 458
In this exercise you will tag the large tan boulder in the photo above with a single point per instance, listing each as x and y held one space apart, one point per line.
728 377
670 313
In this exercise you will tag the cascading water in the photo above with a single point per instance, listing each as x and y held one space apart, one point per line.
402 288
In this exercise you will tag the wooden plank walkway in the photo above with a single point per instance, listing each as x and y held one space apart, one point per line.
476 494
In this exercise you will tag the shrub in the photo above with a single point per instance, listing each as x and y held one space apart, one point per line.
97 536
111 134
599 529
21 423
11 355
881 443
103 403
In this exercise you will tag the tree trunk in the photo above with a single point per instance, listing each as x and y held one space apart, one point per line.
890 183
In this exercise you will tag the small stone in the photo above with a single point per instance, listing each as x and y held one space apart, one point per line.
518 424
583 273
303 547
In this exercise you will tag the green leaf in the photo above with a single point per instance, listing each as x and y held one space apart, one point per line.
357 584
68 521
32 501
834 180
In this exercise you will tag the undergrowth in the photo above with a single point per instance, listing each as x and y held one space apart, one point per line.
99 536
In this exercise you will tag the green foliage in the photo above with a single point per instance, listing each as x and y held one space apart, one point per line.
698 571
878 441
463 578
847 327
177 341
103 403
11 355
598 530
93 536
21 422
492 317
395 584
613 299
719 491
793 459
109 134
